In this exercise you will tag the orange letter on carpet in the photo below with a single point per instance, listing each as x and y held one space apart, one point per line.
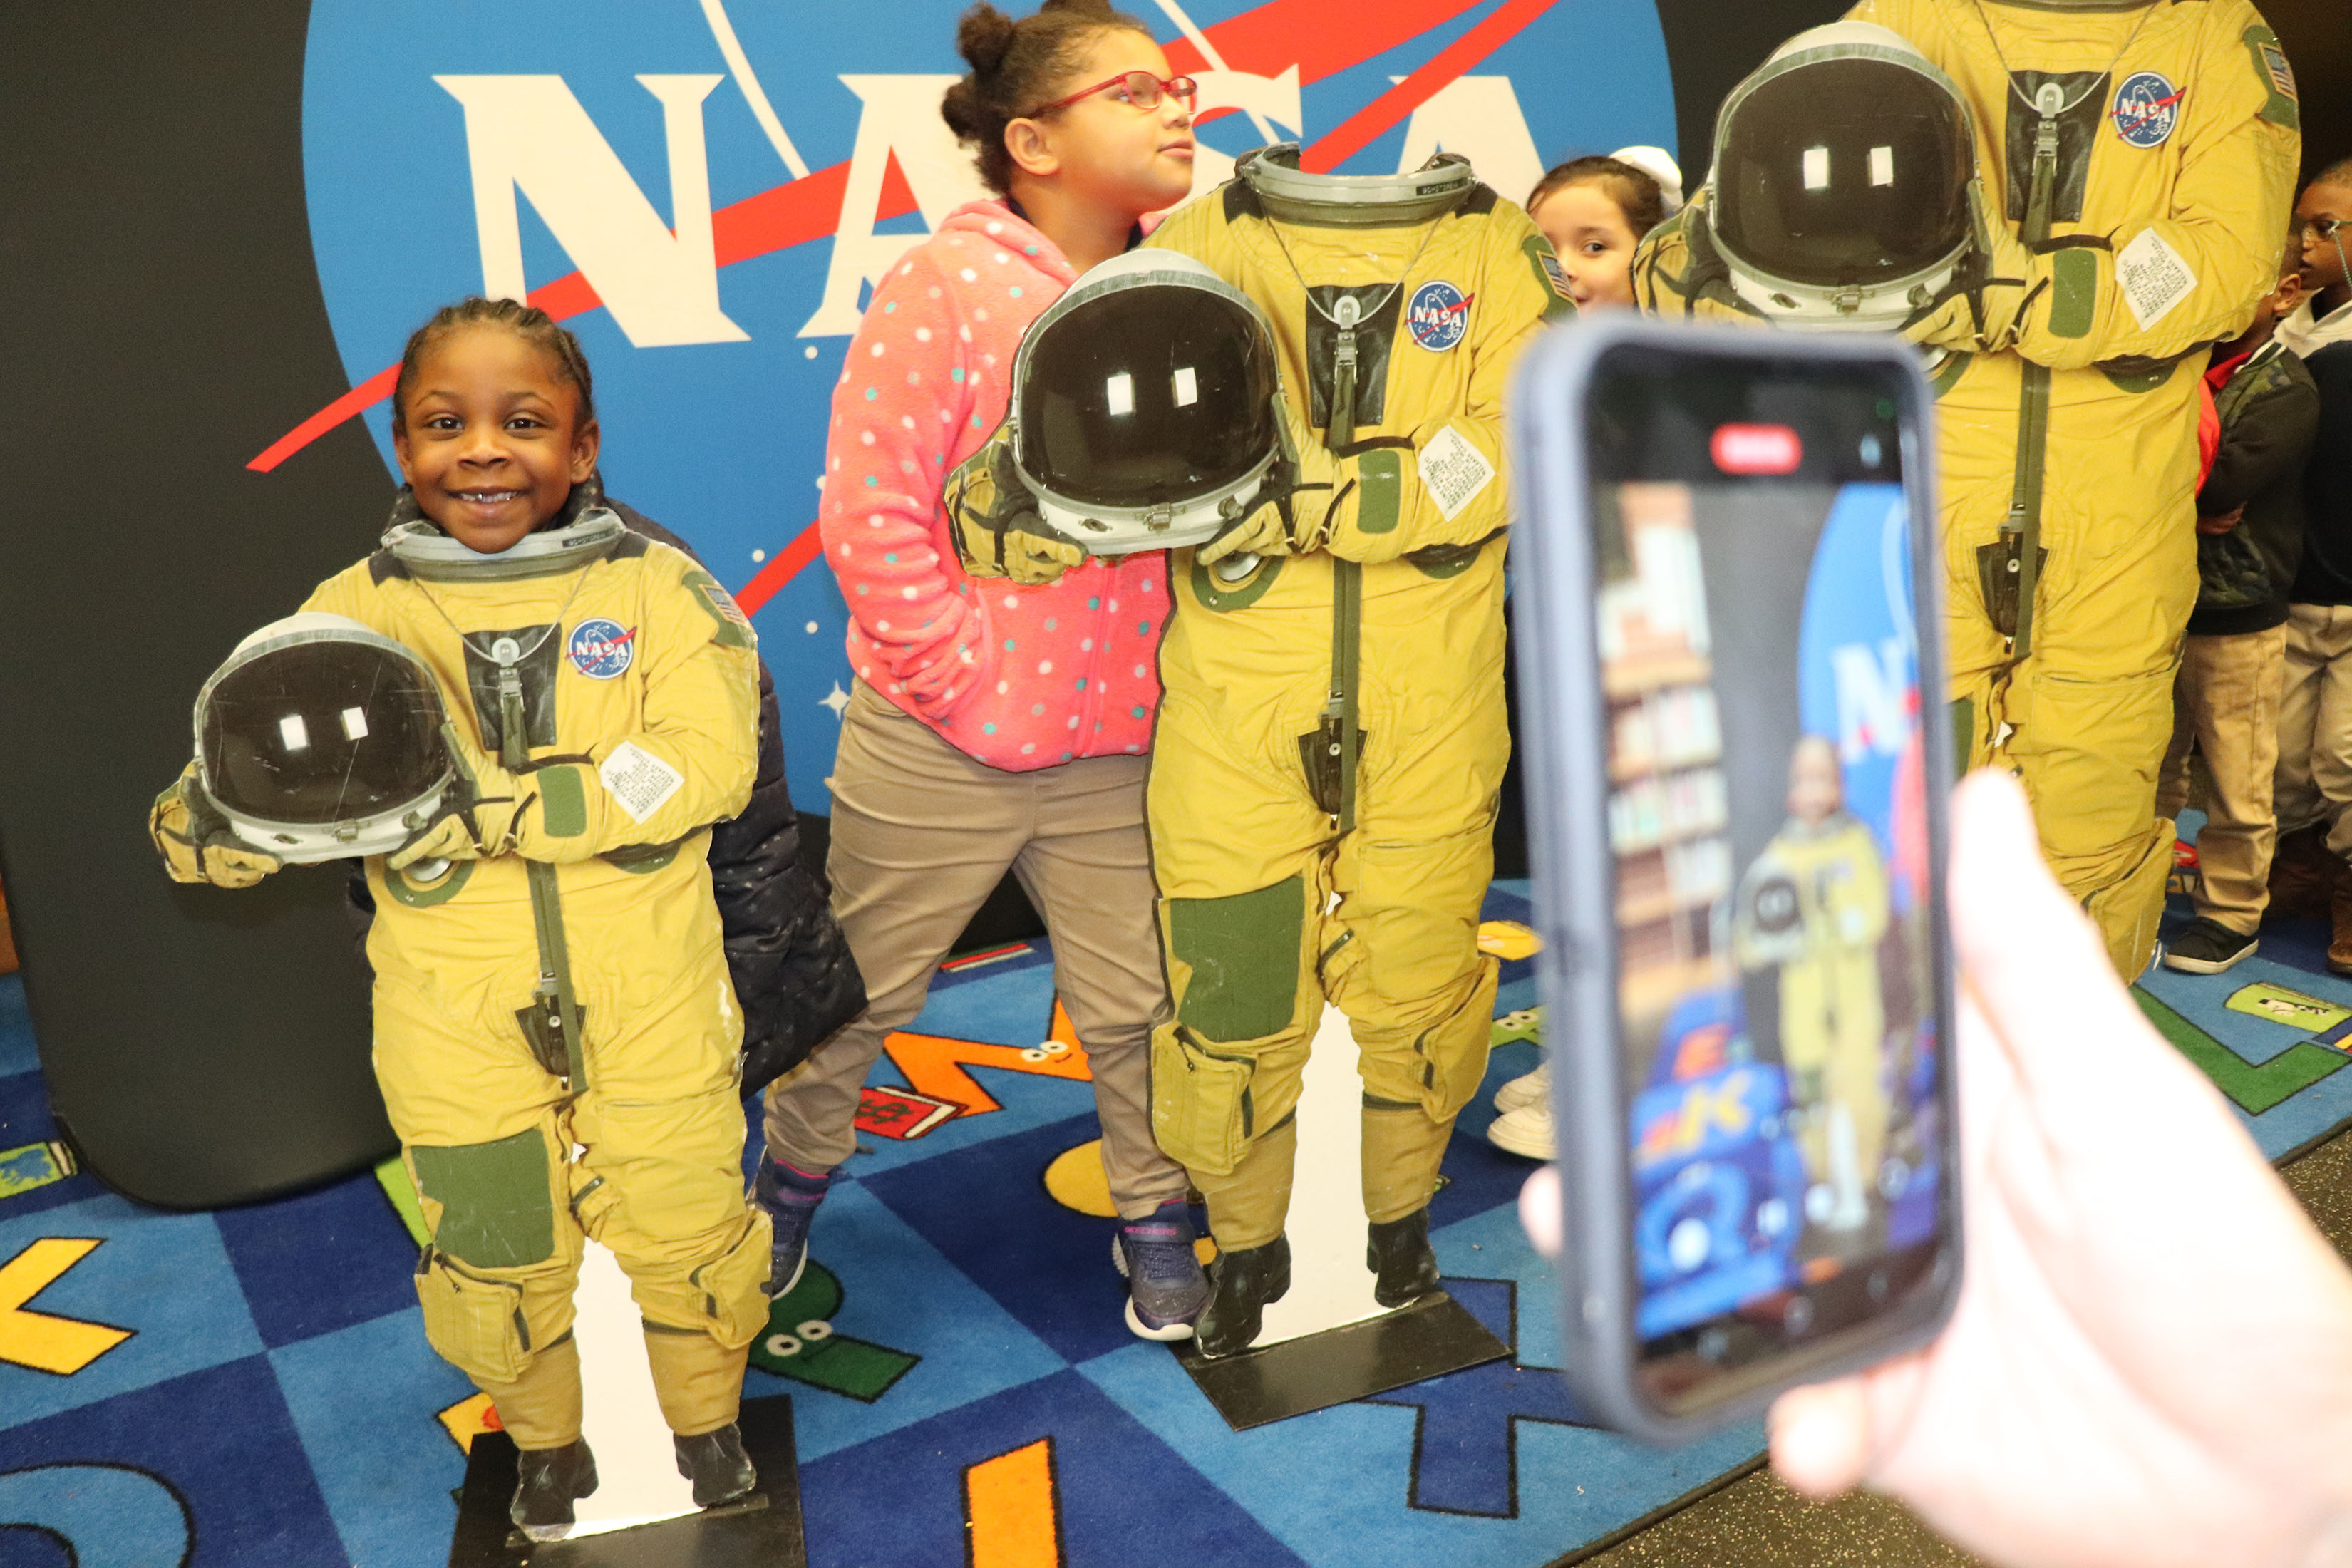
1009 1510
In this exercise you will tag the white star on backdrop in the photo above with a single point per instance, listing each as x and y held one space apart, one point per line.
837 699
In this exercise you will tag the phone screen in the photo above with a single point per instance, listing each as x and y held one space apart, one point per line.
1778 995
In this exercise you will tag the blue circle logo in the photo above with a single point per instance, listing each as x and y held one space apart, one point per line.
601 649
1438 316
2146 109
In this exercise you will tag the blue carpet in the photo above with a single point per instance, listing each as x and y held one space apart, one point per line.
273 1401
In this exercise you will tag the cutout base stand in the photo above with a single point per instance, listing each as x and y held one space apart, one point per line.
1421 1340
763 1530
1327 1341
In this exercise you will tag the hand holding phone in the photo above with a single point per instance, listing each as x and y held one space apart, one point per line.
1732 705
2150 1362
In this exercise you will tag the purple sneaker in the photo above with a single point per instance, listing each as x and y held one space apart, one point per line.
791 1197
1166 1287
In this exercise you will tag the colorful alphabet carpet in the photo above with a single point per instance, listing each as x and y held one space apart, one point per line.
252 1387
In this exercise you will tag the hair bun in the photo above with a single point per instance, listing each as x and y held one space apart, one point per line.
984 34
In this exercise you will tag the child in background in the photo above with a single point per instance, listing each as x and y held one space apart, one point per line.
1596 210
2226 693
2314 766
997 726
542 865
2323 224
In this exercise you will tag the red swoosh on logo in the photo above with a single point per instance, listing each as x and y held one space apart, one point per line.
2147 111
1362 128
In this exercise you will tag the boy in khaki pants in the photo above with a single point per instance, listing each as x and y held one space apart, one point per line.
2226 696
2315 772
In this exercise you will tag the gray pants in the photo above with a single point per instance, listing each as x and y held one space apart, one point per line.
922 836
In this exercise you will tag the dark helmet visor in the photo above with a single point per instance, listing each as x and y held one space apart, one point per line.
1844 172
1147 395
322 731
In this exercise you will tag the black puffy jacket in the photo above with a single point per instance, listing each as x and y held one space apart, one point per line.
794 977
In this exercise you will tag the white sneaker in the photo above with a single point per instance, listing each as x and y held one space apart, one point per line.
1526 1130
1528 1089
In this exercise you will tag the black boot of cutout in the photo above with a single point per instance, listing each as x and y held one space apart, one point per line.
717 1465
547 1480
1398 1254
1242 1283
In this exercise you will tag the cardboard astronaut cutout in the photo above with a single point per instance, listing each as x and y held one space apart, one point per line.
2131 163
1331 742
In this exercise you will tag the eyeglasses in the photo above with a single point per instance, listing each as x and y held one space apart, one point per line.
1138 89
2320 227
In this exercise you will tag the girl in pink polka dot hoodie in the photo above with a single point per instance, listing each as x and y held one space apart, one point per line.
997 728
1017 677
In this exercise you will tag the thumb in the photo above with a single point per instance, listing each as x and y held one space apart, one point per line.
1821 1438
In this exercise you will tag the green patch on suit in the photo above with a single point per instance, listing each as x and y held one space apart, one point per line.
1242 952
563 803
733 629
1559 304
2283 107
495 1208
1381 501
2073 292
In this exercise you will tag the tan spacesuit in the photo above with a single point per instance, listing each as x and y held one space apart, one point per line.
559 982
1331 742
2135 165
1331 739
1814 906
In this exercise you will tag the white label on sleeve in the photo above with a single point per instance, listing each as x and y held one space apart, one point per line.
1453 471
2153 278
640 781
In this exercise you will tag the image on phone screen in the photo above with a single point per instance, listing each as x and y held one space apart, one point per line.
1756 617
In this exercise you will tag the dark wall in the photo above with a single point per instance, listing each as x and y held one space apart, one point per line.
161 307
2317 37
161 321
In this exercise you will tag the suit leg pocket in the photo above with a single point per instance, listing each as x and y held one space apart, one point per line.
726 1290
475 1323
1200 1111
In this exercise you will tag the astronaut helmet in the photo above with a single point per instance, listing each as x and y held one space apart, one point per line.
1838 195
1146 405
319 739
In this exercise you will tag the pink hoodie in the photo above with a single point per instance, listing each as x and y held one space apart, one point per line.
1015 678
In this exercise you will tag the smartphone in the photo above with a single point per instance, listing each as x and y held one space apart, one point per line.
1726 598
